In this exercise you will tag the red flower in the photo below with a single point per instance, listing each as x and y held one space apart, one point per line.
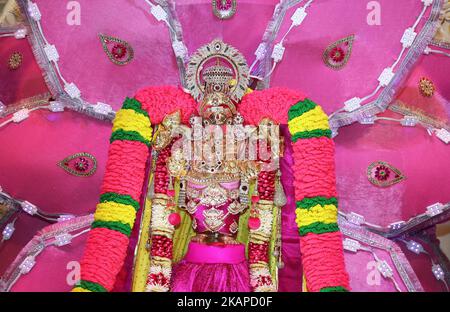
382 173
264 280
158 279
224 5
119 50
337 54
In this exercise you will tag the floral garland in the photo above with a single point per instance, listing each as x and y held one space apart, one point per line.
108 239
121 192
260 234
161 233
315 194
162 227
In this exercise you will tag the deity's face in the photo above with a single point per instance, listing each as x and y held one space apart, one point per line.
217 109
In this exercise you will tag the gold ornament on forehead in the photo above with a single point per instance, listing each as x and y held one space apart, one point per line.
201 80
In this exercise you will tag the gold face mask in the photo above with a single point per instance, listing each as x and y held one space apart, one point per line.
217 109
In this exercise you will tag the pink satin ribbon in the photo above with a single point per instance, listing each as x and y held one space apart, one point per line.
203 253
232 185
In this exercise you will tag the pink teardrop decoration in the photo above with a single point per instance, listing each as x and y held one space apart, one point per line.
254 223
80 164
337 54
175 219
224 9
118 51
383 174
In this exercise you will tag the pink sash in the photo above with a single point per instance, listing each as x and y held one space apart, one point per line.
202 253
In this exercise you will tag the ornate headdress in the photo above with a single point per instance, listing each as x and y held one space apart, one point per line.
200 80
212 84
217 78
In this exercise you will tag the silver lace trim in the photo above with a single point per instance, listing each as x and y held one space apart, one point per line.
401 264
38 244
270 34
50 76
413 225
176 34
439 256
385 98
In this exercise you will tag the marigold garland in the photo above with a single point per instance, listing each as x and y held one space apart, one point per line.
314 169
323 261
121 191
81 289
315 193
120 199
324 214
111 211
121 135
306 203
308 120
125 169
311 120
128 120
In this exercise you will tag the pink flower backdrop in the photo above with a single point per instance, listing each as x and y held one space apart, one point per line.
336 54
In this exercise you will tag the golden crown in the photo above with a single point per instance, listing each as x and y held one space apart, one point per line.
217 74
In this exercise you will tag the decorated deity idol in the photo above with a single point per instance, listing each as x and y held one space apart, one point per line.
211 220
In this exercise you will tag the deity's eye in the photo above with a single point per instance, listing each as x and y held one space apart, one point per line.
244 188
118 51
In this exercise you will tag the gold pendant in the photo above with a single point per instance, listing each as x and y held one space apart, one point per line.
214 219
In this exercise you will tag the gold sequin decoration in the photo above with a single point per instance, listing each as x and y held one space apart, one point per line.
426 87
15 61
